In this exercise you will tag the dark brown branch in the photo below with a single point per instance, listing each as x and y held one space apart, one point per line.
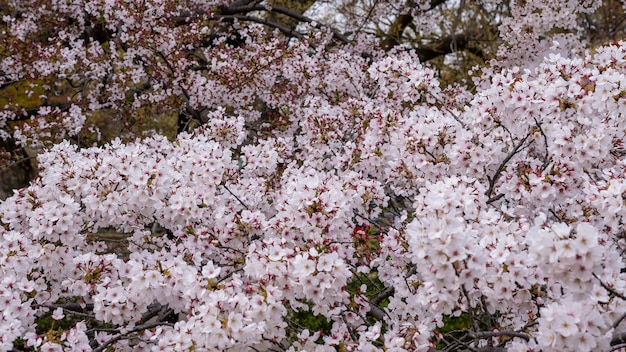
20 162
394 34
546 158
225 12
234 195
238 3
470 311
445 46
610 289
616 346
495 198
453 43
153 311
496 176
386 293
375 310
136 329
490 334
618 321
285 30
618 339
435 3
74 307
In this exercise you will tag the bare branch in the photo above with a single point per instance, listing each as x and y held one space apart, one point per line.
11 165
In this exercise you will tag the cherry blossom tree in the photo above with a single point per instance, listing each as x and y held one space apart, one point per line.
324 191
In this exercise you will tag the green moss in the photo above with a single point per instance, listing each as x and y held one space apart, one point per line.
24 94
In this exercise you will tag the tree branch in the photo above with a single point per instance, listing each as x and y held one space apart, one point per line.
610 289
136 329
285 30
617 346
490 334
618 321
236 10
394 34
386 293
447 45
496 176
375 310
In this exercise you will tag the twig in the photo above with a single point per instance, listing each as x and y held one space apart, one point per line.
285 30
455 116
75 307
488 317
375 310
17 162
386 293
496 176
459 14
619 320
458 343
367 17
546 158
527 326
234 10
469 308
490 334
373 222
229 275
617 347
350 327
136 329
495 198
233 194
610 289
72 308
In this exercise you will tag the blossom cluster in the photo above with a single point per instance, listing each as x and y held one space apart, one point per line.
332 198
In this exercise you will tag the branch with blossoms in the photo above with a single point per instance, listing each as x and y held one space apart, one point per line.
611 290
355 217
618 340
493 179
129 334
234 10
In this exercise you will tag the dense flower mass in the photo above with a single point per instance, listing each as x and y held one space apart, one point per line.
333 197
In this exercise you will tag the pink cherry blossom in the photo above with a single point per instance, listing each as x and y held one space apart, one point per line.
334 196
